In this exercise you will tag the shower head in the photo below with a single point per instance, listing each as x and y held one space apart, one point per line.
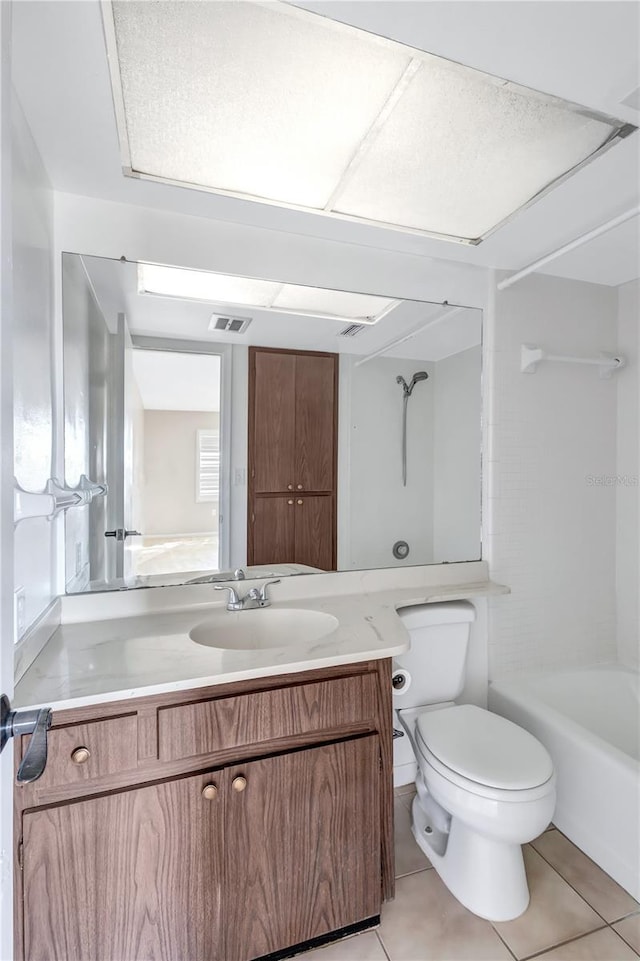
417 377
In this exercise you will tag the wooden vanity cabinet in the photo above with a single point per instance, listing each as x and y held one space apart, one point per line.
262 821
292 438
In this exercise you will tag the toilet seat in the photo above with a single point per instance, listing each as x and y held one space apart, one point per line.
483 753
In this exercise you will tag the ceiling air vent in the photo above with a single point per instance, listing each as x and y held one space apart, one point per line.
351 330
232 325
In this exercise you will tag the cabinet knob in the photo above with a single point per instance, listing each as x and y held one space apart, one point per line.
81 755
300 487
289 487
300 501
289 502
210 792
239 783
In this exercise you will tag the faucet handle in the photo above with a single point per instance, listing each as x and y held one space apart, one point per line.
233 594
263 590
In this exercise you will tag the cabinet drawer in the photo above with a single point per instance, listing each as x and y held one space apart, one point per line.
86 752
209 726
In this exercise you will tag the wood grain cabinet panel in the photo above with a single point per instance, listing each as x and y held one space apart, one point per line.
313 520
316 378
83 753
208 726
134 876
293 434
273 376
308 823
273 524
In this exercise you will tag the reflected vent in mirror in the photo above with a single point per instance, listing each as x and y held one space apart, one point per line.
351 330
232 325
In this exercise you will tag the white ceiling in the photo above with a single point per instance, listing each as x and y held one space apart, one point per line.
584 51
168 380
116 286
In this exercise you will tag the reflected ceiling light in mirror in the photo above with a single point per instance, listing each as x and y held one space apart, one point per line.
268 102
227 290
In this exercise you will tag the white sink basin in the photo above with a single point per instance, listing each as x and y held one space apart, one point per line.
262 629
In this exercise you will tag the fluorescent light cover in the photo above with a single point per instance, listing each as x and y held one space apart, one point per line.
233 291
268 102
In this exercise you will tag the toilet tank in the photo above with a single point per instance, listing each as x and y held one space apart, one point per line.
437 659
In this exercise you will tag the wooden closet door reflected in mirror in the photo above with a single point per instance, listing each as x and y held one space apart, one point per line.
293 435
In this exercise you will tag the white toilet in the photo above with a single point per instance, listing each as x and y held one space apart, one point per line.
484 785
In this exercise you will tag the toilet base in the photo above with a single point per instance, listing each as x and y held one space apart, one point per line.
487 876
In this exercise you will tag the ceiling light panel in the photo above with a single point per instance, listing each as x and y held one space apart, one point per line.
268 102
204 285
461 153
337 303
239 96
235 291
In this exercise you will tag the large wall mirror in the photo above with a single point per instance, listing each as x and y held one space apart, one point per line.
244 423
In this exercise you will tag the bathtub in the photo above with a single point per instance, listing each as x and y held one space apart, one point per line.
589 721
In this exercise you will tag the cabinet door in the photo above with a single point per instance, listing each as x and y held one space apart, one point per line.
271 537
302 846
314 531
134 875
316 422
272 420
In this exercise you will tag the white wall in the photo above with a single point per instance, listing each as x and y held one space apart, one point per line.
6 476
107 229
550 531
457 429
34 542
627 471
239 459
374 509
170 468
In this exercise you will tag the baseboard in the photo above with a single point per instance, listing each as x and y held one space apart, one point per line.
322 940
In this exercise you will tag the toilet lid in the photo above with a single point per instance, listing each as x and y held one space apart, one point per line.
484 747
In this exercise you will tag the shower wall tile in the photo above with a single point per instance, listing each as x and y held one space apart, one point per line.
550 531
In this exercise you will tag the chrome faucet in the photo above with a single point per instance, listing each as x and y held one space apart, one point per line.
256 597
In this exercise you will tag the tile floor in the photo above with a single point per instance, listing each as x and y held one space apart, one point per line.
577 912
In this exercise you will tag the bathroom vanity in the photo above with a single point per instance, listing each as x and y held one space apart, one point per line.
218 785
223 823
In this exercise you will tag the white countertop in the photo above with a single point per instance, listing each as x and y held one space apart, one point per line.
139 654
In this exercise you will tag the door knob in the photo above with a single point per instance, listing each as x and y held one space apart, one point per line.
210 792
300 501
289 487
239 783
300 487
289 502
36 723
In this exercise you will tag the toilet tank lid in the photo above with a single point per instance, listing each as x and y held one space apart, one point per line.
429 615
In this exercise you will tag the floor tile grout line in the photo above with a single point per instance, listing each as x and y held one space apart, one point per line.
560 944
381 943
566 881
595 863
624 917
512 953
409 874
620 935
